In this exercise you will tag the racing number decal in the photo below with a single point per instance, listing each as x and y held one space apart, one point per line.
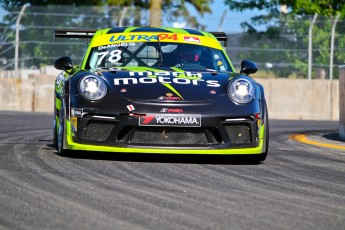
114 56
167 36
59 79
59 82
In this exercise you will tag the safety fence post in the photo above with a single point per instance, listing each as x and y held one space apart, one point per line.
332 47
342 102
16 54
310 44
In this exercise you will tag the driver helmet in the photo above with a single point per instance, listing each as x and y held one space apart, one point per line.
189 53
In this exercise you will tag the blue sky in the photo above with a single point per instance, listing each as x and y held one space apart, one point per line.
232 20
231 23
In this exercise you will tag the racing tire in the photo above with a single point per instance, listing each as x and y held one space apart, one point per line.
61 136
267 136
55 137
54 127
257 158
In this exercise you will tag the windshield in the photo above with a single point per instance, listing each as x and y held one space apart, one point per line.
158 54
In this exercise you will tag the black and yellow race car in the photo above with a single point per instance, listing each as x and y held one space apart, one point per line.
158 90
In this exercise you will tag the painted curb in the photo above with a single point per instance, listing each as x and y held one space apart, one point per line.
303 138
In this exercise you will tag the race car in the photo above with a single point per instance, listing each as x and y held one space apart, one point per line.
158 90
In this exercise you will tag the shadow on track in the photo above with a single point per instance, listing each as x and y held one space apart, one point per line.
332 136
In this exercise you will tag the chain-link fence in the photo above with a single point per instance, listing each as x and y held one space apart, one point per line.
34 28
295 47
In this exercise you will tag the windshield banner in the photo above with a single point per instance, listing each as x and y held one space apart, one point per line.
128 38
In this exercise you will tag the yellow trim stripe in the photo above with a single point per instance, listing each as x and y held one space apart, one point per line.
57 103
303 138
85 147
132 37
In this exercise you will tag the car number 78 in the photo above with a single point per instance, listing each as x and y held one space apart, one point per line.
114 56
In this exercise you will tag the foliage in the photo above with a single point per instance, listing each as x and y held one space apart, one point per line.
13 3
300 7
43 16
290 21
173 10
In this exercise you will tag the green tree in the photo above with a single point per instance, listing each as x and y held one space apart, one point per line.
14 3
287 24
172 10
300 7
37 45
178 9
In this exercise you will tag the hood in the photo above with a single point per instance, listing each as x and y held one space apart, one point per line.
168 85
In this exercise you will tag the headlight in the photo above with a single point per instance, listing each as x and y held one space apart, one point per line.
92 87
241 90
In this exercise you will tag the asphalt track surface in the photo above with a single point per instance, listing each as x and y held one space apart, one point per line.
299 186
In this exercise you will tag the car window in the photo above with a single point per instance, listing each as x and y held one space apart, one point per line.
158 54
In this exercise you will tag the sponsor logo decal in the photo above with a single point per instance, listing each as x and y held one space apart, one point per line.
74 124
145 120
142 37
171 110
191 39
164 98
213 92
181 78
130 107
179 120
76 112
169 97
123 90
125 44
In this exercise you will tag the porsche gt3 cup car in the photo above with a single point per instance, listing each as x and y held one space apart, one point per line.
158 90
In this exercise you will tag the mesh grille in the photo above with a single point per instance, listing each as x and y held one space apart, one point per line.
169 136
97 131
239 134
105 131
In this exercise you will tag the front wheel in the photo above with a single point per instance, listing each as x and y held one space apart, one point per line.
257 158
61 136
267 137
55 136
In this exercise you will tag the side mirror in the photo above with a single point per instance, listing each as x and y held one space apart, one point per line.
248 67
64 63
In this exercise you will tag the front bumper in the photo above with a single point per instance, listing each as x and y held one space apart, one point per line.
215 135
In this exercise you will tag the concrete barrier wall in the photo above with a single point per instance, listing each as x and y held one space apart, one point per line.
299 99
342 102
286 98
34 95
16 94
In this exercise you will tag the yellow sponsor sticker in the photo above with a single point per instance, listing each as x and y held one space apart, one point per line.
74 123
116 38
